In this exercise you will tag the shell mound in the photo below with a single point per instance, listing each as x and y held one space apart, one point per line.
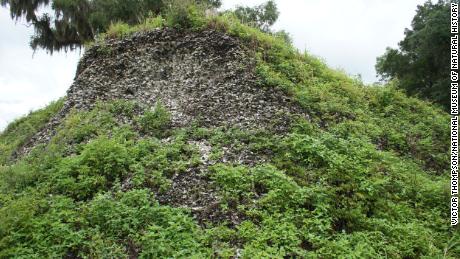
226 166
205 77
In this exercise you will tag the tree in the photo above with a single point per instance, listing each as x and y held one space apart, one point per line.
71 23
422 63
262 16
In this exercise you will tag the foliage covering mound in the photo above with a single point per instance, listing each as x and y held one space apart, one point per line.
365 176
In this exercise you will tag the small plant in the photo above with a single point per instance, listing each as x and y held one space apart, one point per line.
123 107
119 30
156 121
185 14
154 22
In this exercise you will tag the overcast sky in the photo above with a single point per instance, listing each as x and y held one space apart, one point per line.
346 34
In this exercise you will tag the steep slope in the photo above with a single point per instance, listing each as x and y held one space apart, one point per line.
226 142
205 76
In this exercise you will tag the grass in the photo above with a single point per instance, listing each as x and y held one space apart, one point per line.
19 131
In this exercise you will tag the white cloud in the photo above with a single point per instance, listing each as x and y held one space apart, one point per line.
346 34
29 81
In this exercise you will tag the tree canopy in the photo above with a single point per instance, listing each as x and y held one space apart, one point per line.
421 64
67 24
262 16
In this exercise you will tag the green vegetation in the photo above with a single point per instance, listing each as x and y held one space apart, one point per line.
262 16
155 122
73 23
366 176
19 131
422 63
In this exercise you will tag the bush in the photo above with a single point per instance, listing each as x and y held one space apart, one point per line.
102 162
119 30
156 121
185 14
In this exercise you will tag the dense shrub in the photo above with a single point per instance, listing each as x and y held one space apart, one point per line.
154 122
